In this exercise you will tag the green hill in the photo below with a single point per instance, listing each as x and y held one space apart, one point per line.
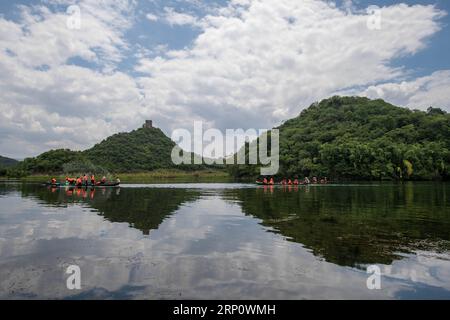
7 162
359 138
340 137
144 149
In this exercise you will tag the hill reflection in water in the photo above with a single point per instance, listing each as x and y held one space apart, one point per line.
143 209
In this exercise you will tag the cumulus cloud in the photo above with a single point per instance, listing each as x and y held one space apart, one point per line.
152 17
253 64
256 62
46 101
419 93
175 18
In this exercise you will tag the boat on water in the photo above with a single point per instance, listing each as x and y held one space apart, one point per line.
59 185
279 184
267 184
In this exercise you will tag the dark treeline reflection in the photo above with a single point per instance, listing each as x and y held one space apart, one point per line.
142 208
354 225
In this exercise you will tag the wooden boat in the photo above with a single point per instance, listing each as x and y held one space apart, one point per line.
105 185
266 184
279 184
49 184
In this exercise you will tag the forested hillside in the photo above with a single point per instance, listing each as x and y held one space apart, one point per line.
340 138
140 150
144 149
5 163
359 138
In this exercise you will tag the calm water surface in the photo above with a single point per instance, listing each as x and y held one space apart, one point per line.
226 241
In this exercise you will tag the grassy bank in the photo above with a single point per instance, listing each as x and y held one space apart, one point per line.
157 176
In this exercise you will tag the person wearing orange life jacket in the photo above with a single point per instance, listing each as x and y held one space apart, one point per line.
289 182
271 181
93 180
296 181
79 182
53 181
85 180
265 180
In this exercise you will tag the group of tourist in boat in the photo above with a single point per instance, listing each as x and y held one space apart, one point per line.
289 181
86 180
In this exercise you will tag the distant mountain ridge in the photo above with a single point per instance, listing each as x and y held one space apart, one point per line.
7 162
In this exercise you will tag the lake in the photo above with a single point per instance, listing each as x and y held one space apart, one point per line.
226 241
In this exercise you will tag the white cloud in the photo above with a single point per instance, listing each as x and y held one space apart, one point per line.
254 64
152 17
419 93
41 36
64 105
175 18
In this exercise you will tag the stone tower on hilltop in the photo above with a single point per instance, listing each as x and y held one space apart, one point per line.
148 124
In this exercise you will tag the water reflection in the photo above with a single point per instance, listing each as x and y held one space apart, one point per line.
224 243
142 209
353 226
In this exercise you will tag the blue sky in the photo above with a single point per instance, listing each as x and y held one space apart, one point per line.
231 64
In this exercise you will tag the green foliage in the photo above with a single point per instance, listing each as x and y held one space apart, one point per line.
359 138
140 150
7 162
145 149
83 166
48 162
